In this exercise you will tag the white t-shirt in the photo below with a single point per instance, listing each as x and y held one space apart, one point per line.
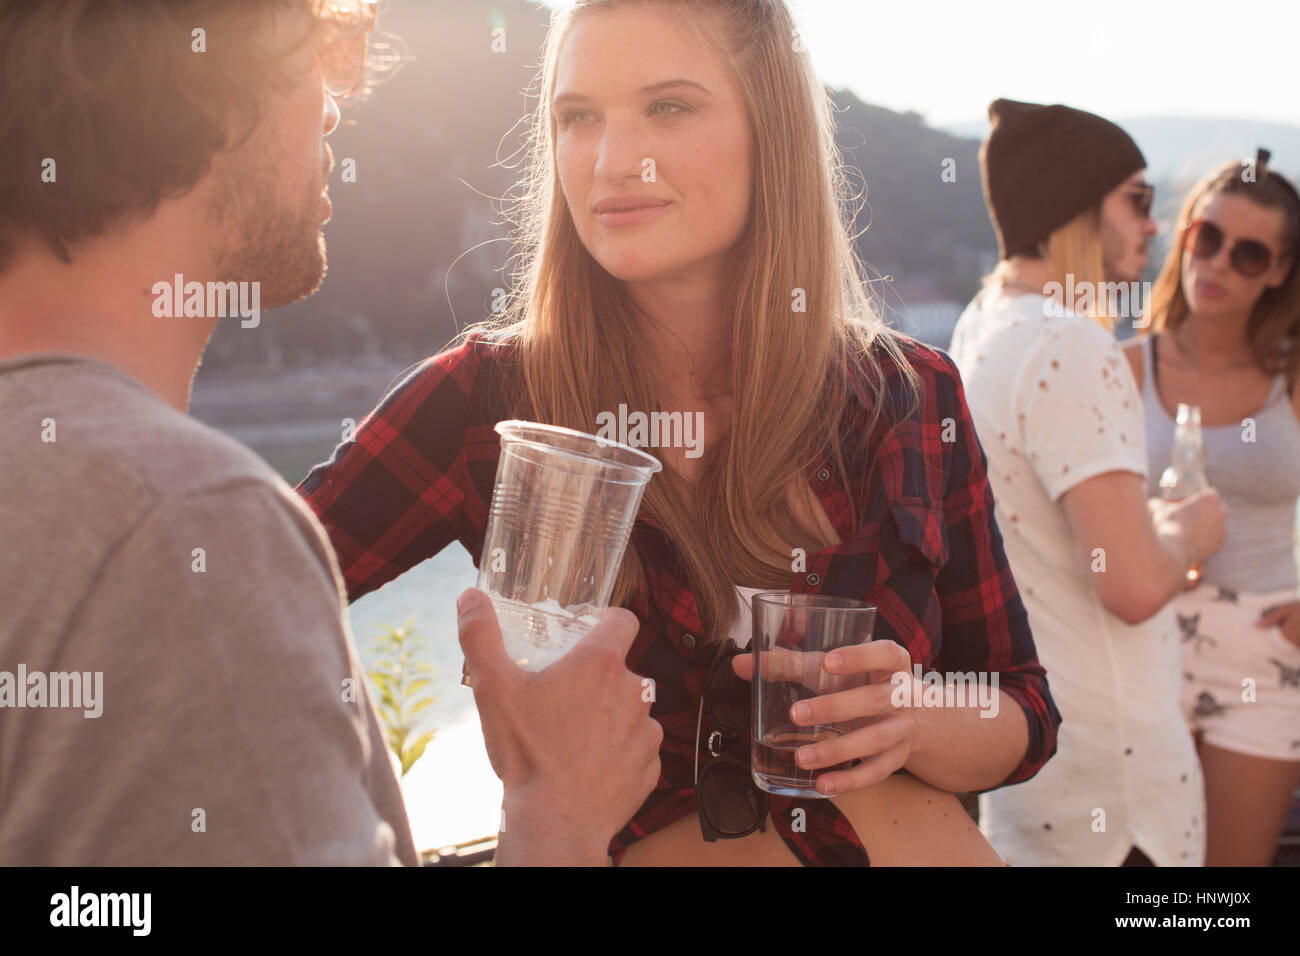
1055 403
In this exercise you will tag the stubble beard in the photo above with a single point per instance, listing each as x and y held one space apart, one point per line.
1114 253
267 237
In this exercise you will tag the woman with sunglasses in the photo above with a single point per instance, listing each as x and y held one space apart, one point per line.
1225 336
682 250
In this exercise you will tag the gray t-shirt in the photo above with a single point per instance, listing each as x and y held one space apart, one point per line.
234 724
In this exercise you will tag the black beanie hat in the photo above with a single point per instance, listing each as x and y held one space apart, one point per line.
1043 165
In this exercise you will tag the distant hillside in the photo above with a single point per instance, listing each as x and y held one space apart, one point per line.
1180 149
924 231
407 253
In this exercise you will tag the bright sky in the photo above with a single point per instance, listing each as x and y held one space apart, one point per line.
947 59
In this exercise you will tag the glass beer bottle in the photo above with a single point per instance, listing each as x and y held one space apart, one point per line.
1185 475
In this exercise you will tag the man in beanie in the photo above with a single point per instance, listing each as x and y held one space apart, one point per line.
1060 417
1042 166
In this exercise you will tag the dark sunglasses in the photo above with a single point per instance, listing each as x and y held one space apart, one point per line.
1142 196
729 803
1249 257
344 43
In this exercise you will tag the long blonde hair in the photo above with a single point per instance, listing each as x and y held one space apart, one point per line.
580 350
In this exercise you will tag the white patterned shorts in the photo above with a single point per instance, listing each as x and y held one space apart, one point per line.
1226 658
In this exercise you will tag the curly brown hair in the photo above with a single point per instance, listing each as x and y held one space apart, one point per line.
116 94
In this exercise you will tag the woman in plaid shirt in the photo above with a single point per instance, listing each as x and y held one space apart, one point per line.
683 250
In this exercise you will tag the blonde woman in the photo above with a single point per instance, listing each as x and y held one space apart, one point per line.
1061 419
1225 336
682 250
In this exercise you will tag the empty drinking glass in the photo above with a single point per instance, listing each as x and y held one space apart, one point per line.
562 511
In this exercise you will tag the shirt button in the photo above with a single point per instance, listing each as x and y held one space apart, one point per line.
814 579
688 640
823 475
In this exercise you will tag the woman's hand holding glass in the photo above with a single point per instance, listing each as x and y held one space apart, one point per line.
884 733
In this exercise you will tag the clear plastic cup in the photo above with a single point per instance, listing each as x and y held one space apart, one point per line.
562 511
792 635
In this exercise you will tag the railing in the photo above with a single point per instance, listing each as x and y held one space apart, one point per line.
481 852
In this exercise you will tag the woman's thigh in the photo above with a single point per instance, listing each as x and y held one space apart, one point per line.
1246 803
901 821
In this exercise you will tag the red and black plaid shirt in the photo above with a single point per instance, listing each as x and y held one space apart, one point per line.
928 553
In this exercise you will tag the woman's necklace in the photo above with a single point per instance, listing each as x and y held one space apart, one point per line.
1190 363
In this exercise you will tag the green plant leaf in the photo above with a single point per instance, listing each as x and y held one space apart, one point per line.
401 681
415 751
417 685
420 706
